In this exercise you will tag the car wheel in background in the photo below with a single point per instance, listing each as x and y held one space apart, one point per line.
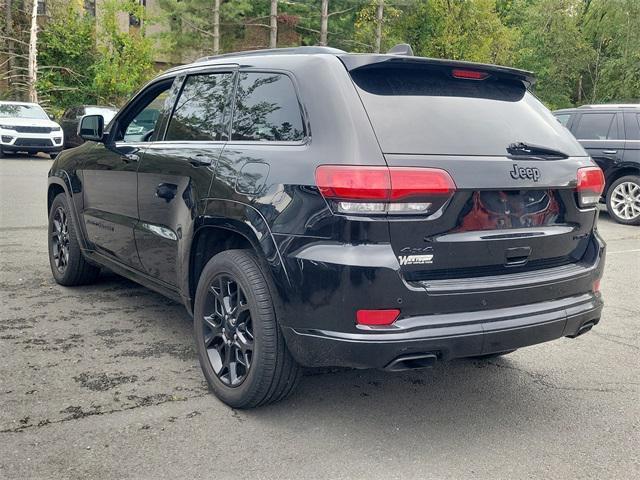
623 200
68 265
240 347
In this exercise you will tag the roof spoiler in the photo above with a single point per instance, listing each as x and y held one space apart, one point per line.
401 49
354 62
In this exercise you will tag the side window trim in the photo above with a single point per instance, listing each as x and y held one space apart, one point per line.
303 113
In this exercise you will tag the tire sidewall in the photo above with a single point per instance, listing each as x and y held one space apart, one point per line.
627 178
261 371
75 254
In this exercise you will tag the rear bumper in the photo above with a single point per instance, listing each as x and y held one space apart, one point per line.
447 336
475 316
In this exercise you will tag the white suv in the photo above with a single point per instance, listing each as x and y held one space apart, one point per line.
26 127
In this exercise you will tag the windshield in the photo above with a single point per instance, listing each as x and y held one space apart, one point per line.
9 110
427 111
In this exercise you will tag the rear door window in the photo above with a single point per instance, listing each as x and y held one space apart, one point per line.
266 109
201 112
424 110
597 126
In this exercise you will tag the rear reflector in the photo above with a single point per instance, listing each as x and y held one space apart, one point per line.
362 190
590 186
596 286
468 74
376 317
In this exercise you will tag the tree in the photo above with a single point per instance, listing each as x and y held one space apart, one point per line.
551 45
611 29
67 55
33 53
124 61
273 24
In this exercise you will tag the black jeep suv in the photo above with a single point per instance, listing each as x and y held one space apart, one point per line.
317 208
611 135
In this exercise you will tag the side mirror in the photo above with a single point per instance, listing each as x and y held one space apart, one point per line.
91 128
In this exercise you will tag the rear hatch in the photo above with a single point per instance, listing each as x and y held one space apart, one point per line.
514 206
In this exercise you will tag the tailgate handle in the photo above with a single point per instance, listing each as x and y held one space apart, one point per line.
517 255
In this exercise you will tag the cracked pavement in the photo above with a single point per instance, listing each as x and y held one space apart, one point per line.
103 382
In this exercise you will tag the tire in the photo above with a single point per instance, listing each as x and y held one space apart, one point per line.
53 155
623 200
267 372
489 356
2 153
68 265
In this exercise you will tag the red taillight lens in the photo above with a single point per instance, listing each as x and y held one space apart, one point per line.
353 183
468 74
596 286
376 317
590 186
381 190
419 182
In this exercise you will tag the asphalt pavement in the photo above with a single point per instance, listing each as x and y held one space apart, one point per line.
103 382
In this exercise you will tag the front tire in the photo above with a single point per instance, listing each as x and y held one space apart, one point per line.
623 200
68 265
240 347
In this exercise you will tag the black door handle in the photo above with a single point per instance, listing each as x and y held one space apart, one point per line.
166 191
200 159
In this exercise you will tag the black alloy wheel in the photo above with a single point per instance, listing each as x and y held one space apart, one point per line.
68 265
228 335
240 345
60 239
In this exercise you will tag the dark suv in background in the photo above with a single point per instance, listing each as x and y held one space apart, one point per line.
611 135
318 208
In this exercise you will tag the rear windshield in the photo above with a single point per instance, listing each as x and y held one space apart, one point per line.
426 111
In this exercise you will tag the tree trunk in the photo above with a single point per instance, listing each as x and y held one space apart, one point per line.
273 28
10 52
216 27
33 54
324 22
379 14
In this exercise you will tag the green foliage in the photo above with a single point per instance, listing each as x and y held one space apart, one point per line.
582 51
551 46
67 55
124 58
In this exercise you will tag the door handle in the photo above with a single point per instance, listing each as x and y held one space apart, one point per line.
200 159
609 152
130 157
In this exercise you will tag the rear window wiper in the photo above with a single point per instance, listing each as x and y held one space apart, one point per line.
531 150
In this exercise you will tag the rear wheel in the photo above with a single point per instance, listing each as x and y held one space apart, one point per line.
240 347
623 200
68 266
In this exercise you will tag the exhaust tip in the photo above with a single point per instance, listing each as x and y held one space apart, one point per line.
584 328
412 362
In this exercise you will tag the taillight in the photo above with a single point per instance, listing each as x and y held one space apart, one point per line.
468 74
376 317
590 186
365 190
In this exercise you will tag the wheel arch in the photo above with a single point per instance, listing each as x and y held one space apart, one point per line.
216 233
623 171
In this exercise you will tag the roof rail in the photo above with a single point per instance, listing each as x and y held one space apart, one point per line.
611 105
275 51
